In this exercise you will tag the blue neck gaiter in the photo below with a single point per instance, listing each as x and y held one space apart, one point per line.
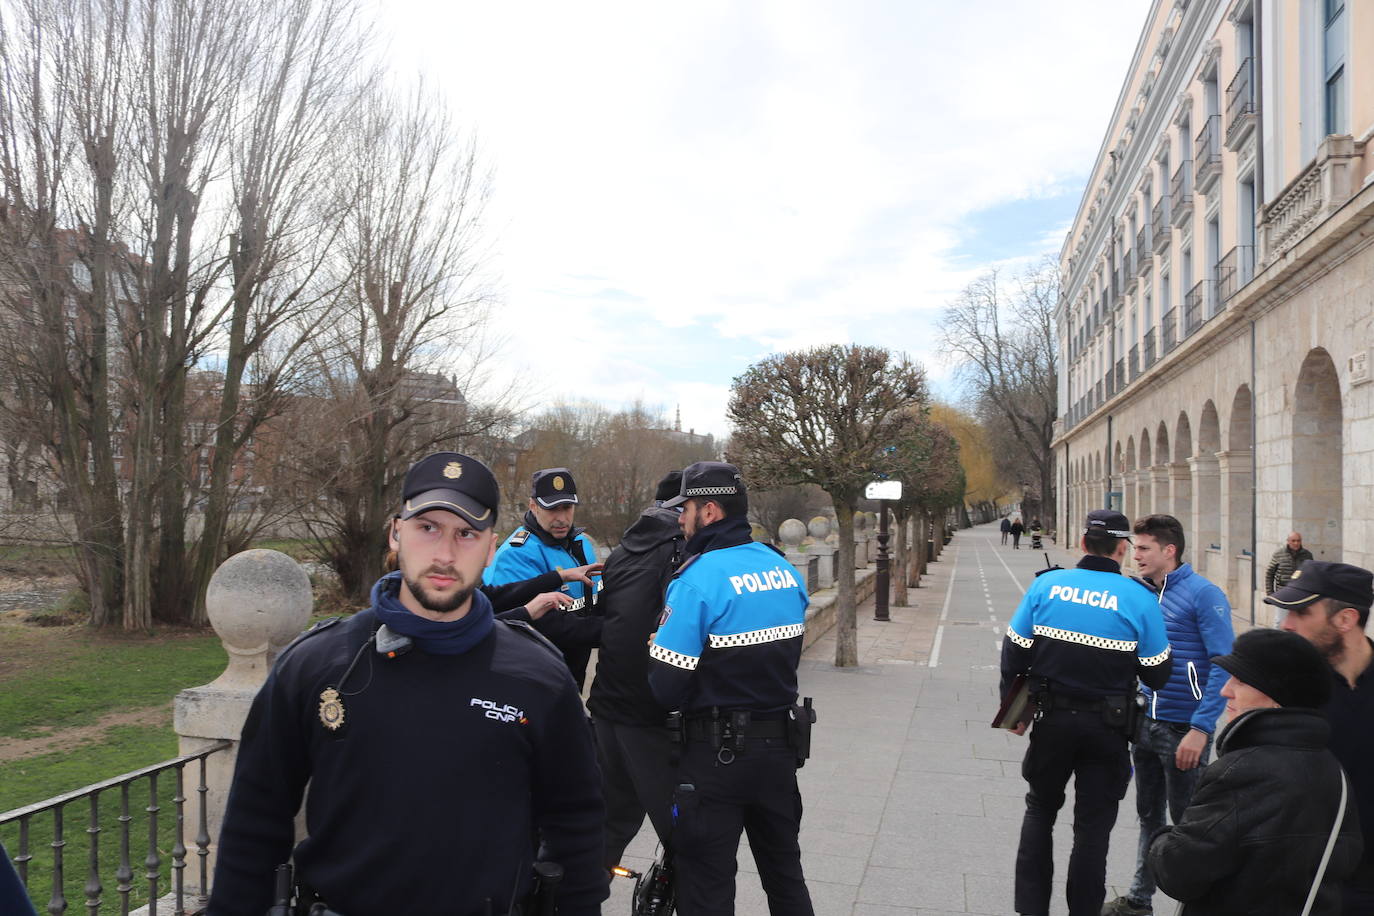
451 637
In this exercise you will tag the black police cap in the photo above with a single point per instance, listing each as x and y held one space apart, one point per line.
1350 585
455 483
707 478
1106 521
668 487
553 487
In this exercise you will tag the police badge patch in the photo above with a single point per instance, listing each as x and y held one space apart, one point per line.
667 612
331 709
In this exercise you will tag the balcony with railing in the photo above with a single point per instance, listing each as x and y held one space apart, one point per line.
1197 307
1133 362
1233 271
1142 251
1159 222
1129 274
1207 154
1317 193
1170 326
1181 194
1121 373
1240 105
1149 349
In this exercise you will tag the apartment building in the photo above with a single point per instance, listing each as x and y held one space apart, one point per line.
1218 289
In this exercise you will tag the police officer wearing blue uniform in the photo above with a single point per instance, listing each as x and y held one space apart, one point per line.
548 542
442 747
1082 636
726 656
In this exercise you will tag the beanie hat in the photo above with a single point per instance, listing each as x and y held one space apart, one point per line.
1284 666
668 487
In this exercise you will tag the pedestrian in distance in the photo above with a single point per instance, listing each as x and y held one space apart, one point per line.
1017 529
1175 735
442 746
1080 637
1037 534
633 743
1272 829
548 542
1287 560
1006 529
1328 604
725 656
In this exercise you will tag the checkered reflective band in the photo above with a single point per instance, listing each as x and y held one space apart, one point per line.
710 491
754 637
676 659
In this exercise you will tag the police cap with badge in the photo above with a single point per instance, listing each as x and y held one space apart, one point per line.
1349 585
455 483
1108 521
553 487
707 478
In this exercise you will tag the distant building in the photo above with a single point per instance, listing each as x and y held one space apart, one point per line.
1218 289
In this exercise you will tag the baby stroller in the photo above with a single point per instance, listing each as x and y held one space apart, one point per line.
1036 534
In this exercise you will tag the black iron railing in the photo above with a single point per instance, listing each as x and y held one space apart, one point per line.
1128 271
1197 307
1149 349
1170 325
1121 373
1134 362
1142 251
1207 152
1159 222
1240 99
1181 193
28 818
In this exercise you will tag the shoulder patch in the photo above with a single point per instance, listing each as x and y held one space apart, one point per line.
520 537
313 631
529 632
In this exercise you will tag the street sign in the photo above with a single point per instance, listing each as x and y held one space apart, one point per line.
883 489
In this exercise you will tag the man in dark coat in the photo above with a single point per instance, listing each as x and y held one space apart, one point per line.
1006 529
1017 529
633 743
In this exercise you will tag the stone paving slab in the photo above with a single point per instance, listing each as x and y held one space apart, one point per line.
912 801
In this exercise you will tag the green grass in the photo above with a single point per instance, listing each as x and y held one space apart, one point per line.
298 549
122 750
106 674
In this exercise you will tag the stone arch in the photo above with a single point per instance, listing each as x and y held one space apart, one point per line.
1163 502
1318 456
1237 473
1207 521
1144 480
1181 482
1130 454
1095 485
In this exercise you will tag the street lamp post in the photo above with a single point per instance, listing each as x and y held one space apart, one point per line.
884 589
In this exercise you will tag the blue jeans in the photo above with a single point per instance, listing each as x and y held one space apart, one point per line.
1158 782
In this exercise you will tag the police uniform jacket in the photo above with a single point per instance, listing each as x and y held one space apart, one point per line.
1197 620
634 582
731 633
444 774
1089 631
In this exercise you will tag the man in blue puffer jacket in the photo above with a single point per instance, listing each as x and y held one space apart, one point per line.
1175 736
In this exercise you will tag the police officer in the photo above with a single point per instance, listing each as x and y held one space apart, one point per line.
726 655
548 542
1082 636
633 744
442 746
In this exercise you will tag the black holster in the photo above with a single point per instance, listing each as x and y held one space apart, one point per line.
799 722
1122 714
541 900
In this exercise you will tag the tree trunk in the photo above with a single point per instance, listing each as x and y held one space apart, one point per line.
899 559
846 620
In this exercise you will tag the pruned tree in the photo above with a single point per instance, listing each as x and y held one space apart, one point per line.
826 416
1001 339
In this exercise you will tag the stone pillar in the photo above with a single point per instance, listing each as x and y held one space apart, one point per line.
1237 485
824 551
790 534
1162 503
258 601
860 540
1206 523
1129 503
1181 501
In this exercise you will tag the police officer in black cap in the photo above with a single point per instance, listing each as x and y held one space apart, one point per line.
726 656
442 746
1328 604
547 542
1081 636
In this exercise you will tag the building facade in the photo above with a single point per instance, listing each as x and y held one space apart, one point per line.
1218 290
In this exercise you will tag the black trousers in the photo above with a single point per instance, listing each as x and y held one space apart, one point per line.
637 777
1062 744
756 793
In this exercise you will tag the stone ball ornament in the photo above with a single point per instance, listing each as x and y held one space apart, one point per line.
819 527
791 532
258 601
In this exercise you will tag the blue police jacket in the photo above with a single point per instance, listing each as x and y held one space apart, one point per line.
1197 618
525 555
731 631
1090 631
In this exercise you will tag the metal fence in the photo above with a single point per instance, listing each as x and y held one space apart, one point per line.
1170 325
53 812
1240 98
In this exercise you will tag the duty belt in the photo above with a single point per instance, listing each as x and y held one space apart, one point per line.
702 729
1081 704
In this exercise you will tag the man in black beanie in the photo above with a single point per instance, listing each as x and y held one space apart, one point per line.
633 742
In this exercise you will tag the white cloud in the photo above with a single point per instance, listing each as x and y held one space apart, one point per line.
726 180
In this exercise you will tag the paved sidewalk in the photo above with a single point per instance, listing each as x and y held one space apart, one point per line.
913 802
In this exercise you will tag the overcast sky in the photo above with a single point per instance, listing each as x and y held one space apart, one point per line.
683 189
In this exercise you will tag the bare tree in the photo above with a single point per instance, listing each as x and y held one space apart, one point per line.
826 416
1003 342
